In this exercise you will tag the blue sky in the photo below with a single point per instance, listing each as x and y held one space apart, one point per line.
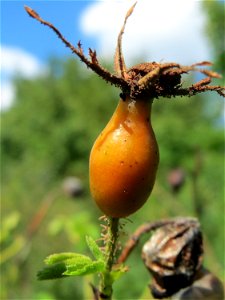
26 45
21 31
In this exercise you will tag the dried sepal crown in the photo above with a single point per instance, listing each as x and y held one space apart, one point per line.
145 80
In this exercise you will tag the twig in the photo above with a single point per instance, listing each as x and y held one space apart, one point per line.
134 239
95 291
143 229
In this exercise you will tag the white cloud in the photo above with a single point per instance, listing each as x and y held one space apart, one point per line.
157 30
15 61
7 95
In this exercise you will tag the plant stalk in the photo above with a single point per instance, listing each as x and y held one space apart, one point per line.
112 236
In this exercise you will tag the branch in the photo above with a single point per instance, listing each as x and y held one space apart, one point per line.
145 228
134 239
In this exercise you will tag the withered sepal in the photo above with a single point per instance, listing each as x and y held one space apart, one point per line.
173 255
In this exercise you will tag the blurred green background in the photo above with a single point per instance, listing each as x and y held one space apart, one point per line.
46 138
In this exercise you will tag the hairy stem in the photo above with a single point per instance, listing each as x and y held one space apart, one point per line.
106 283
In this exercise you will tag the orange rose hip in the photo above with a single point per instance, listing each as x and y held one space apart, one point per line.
124 160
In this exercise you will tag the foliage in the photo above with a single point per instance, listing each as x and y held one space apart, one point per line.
47 135
215 31
70 264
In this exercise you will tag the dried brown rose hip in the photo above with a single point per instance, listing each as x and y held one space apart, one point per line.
173 255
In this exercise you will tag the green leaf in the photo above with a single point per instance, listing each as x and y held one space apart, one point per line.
80 269
62 257
69 264
52 272
95 250
8 225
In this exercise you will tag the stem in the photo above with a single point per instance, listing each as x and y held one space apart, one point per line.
107 282
197 201
139 232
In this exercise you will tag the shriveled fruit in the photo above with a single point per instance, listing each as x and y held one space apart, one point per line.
124 160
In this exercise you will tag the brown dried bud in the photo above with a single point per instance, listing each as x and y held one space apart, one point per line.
176 179
73 187
173 255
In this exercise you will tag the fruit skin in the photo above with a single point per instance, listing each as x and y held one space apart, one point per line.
124 160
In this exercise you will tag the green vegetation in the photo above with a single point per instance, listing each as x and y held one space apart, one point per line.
47 136
215 30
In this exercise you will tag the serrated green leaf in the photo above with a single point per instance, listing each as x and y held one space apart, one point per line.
84 269
62 257
95 250
52 272
81 260
69 264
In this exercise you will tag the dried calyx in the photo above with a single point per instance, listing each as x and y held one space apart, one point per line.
145 80
173 255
